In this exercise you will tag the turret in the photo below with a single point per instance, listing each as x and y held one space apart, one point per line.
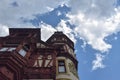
66 67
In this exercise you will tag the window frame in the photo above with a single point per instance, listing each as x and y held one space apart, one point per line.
61 63
22 52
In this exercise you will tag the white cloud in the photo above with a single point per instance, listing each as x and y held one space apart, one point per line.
59 13
93 8
46 31
98 62
94 31
95 20
50 9
3 30
62 26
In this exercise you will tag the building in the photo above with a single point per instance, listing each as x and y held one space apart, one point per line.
24 56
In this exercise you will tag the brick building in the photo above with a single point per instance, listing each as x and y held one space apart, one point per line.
24 56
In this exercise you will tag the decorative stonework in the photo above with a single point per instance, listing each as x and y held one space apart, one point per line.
72 69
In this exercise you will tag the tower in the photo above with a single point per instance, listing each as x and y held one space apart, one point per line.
24 56
66 63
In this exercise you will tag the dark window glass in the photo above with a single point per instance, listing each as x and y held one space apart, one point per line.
26 47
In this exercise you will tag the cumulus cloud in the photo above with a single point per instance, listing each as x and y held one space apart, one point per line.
94 31
94 21
98 62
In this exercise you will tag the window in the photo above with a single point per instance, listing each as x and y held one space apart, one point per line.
4 49
7 49
11 49
61 66
22 52
26 47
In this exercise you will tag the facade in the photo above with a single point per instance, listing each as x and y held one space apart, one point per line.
24 56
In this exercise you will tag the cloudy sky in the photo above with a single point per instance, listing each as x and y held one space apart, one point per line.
93 25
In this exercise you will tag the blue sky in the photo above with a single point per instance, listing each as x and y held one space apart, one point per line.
94 27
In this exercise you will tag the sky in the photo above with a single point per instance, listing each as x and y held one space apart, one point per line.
93 26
